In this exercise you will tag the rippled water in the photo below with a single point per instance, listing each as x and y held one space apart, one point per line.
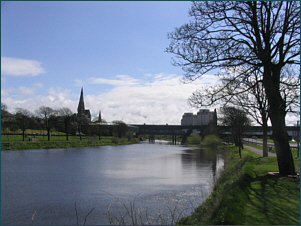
156 178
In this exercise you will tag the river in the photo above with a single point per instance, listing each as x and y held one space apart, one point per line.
154 179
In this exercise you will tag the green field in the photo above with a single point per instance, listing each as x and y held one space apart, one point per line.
15 142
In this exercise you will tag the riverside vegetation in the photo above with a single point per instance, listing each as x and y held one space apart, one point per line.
247 194
14 142
210 141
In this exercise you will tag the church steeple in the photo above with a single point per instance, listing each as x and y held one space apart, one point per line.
99 116
81 104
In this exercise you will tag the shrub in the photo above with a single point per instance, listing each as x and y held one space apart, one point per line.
194 138
115 140
211 141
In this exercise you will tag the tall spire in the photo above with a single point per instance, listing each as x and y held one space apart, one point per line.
99 116
81 104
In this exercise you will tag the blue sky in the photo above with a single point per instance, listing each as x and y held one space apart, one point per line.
115 50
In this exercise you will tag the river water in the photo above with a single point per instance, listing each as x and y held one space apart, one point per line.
151 179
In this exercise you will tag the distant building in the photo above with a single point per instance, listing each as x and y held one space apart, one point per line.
203 117
81 111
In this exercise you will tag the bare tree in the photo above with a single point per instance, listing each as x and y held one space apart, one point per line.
290 88
24 119
100 123
3 107
7 119
238 122
48 116
66 115
256 35
120 128
249 95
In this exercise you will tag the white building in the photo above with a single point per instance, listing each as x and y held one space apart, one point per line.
203 117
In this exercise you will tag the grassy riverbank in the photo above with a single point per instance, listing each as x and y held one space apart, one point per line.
246 194
15 142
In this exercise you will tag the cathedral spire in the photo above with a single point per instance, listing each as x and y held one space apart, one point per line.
99 116
81 104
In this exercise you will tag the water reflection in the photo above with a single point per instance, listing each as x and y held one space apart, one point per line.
51 181
201 159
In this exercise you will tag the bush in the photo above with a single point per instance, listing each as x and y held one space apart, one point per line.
211 141
194 138
115 140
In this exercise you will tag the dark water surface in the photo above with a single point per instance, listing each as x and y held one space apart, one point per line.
157 178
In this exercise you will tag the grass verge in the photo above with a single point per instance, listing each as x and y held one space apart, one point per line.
246 194
16 143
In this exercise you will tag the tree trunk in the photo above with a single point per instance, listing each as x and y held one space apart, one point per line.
265 137
281 141
66 128
98 132
67 135
23 133
277 107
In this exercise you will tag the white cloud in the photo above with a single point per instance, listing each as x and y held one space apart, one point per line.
121 80
38 85
7 92
291 119
29 91
55 98
26 91
22 90
20 67
160 101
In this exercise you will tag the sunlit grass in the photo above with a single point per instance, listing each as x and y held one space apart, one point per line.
15 142
246 194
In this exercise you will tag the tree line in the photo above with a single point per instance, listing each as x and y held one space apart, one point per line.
61 120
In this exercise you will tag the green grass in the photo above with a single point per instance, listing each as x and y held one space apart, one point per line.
246 194
295 153
15 142
273 200
255 146
272 141
6 138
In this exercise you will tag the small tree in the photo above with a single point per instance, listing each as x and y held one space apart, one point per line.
238 123
194 138
5 117
101 124
24 119
3 108
48 116
66 115
120 128
211 141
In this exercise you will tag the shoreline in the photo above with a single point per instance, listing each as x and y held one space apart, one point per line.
247 193
29 145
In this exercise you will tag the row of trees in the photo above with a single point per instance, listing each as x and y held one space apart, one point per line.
255 45
62 120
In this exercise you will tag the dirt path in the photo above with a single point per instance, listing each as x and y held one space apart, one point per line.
258 151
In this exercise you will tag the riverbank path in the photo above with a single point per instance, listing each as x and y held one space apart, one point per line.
258 151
